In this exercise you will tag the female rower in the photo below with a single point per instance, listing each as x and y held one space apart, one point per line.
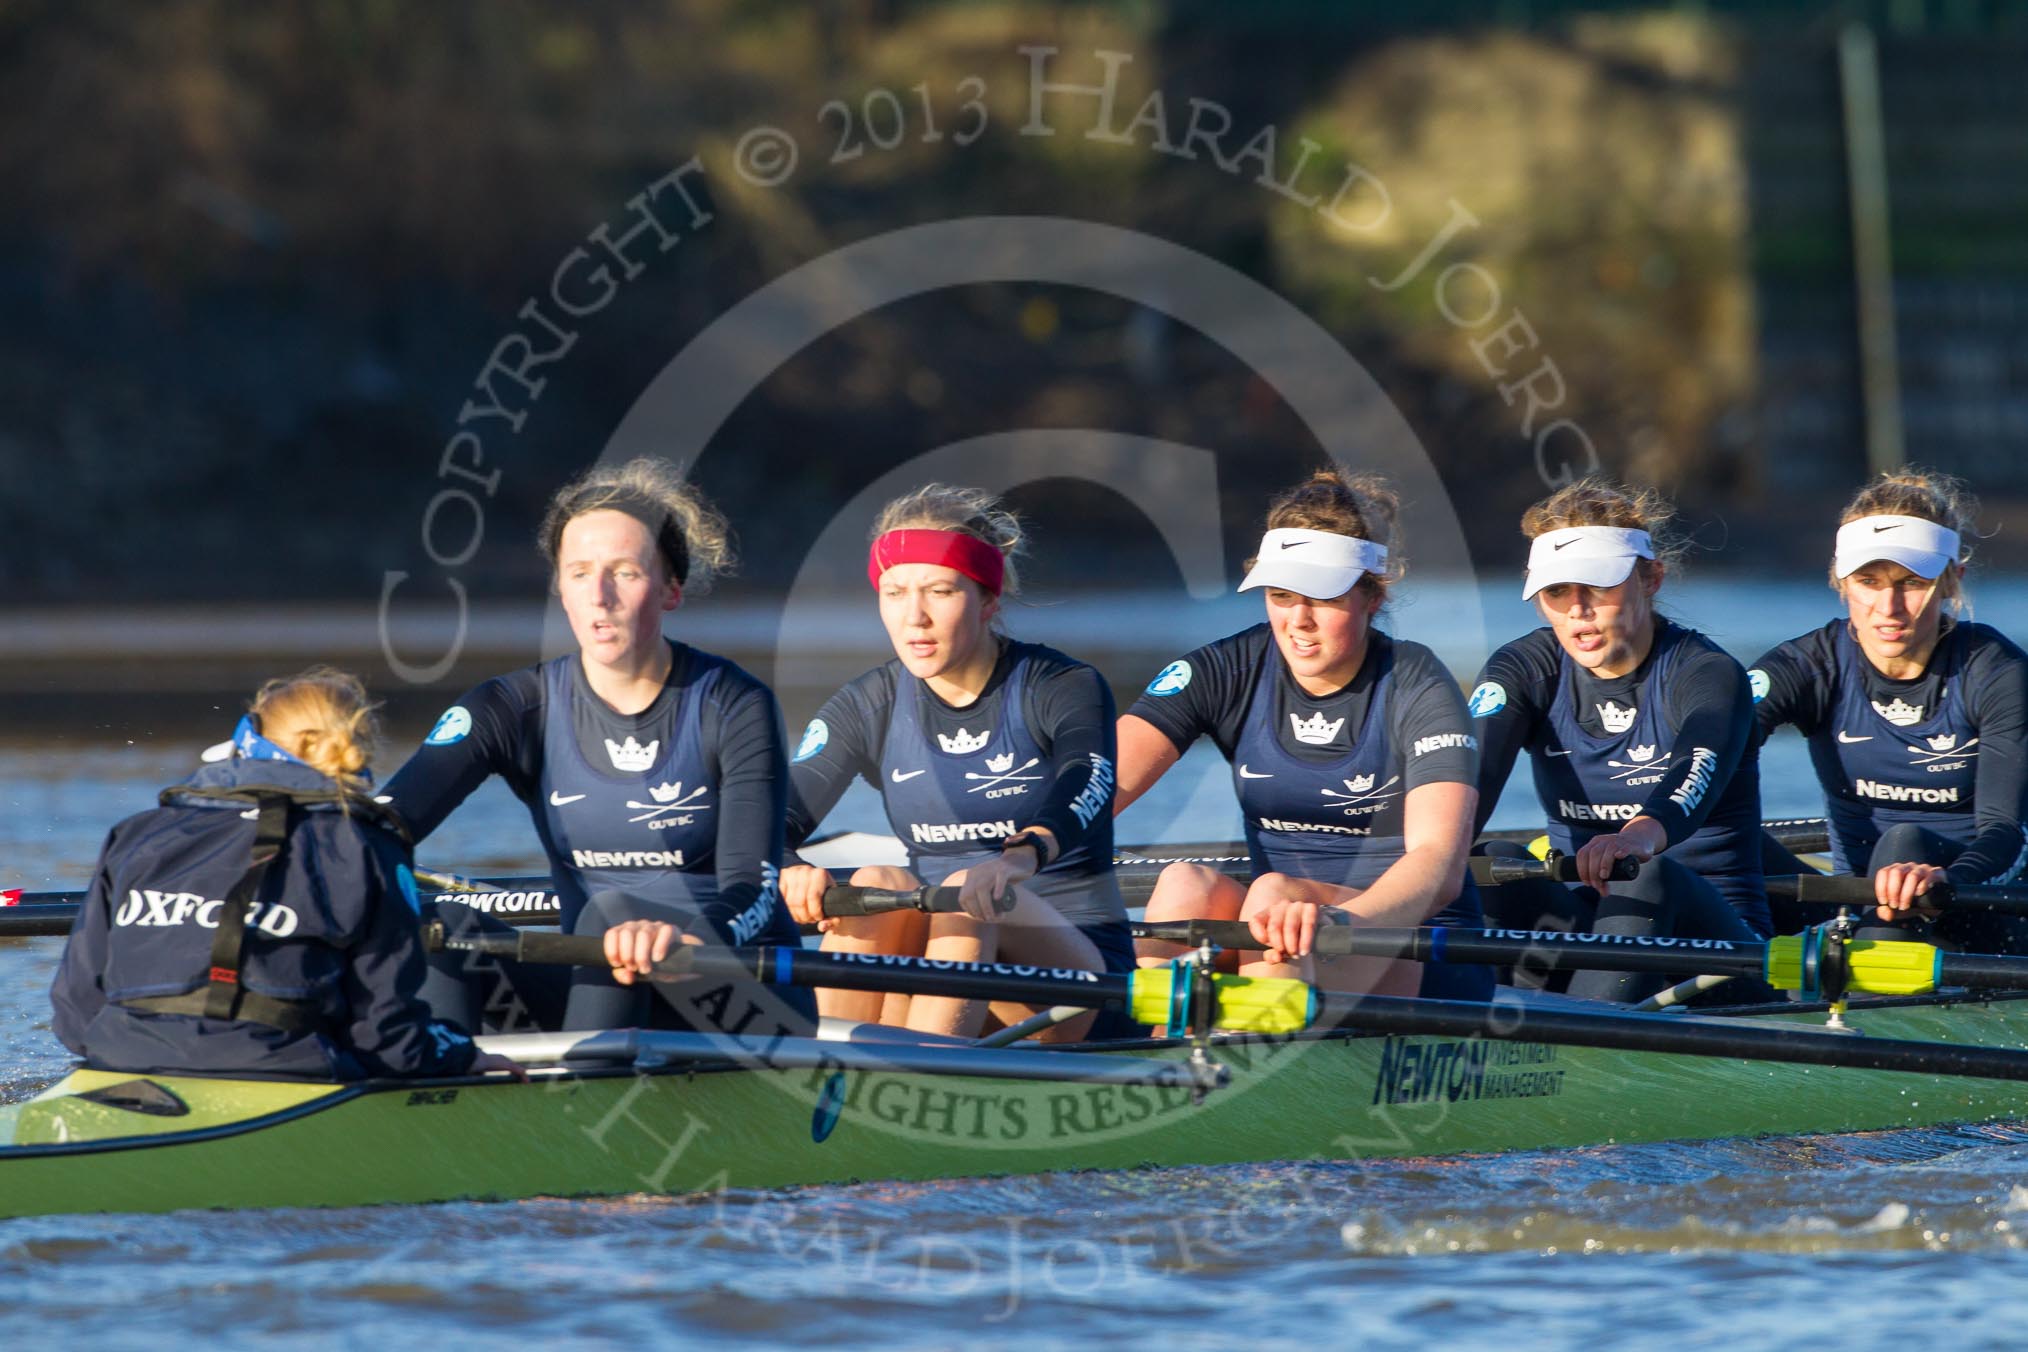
994 759
1917 719
653 771
263 918
1352 753
1639 731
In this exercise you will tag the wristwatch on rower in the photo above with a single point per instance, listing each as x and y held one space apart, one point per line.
1033 840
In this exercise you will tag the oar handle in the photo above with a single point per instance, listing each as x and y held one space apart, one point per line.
1942 896
589 950
23 922
1492 870
843 899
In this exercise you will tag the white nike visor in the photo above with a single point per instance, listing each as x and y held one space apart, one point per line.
1597 556
1922 547
1314 563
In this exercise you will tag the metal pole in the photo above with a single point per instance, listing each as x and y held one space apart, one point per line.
1872 260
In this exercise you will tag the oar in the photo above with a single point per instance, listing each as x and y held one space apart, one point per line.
1942 896
527 899
1276 1006
1491 870
1797 962
28 921
17 922
1799 835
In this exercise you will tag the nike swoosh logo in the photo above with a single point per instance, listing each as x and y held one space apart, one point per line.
1878 529
900 777
1245 773
1556 753
1291 544
558 799
1566 542
1848 738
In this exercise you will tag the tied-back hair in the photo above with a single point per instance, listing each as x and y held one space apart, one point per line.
1596 501
324 718
1930 495
968 511
691 535
1362 506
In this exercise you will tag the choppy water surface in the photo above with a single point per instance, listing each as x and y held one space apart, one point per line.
1852 1241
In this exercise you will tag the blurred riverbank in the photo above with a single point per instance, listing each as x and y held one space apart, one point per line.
150 670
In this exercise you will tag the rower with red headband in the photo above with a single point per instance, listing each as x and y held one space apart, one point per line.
1352 755
1638 732
994 759
1916 718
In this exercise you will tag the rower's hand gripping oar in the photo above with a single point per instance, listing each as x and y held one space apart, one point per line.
1941 896
843 899
1493 870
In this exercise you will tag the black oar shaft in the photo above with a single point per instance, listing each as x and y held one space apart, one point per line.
1493 870
839 971
1982 971
1510 1021
842 900
1504 1020
1540 950
1551 950
1830 890
23 922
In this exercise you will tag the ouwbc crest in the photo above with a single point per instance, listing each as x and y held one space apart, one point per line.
964 743
1615 718
1315 731
1899 712
631 755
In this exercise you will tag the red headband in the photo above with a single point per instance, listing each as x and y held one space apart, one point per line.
971 556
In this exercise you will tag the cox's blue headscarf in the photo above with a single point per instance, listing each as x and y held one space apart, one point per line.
248 744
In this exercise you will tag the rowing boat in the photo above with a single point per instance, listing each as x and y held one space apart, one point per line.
684 1114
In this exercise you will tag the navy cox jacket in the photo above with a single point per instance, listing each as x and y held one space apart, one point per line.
335 933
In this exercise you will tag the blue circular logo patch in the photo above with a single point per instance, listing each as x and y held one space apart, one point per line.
1171 679
452 727
814 738
1760 683
1490 698
830 1103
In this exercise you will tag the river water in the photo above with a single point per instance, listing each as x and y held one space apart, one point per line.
1853 1241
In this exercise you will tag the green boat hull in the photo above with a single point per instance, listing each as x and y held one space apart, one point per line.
196 1143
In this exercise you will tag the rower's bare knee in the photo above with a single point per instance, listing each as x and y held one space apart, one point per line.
1186 891
888 877
956 937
